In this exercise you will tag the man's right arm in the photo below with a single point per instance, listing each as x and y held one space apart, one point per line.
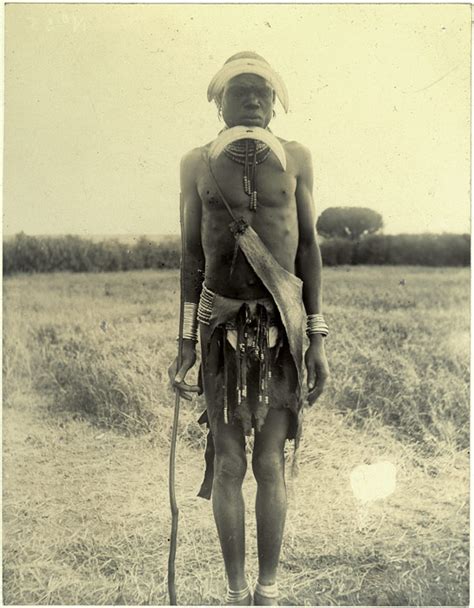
193 262
193 256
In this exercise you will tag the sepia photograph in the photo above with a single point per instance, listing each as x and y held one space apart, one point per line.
236 304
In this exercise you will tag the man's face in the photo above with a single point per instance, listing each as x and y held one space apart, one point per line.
247 100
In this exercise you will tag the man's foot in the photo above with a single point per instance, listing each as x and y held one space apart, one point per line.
266 595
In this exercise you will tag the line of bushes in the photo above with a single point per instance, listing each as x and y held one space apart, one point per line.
400 249
24 253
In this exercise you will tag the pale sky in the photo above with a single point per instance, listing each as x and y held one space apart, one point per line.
101 102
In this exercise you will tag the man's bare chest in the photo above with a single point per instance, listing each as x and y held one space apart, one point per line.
275 187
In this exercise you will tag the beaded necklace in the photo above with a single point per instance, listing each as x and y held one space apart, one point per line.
249 153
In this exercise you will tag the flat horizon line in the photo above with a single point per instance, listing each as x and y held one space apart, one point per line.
136 235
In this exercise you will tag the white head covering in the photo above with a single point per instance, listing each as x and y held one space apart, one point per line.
247 63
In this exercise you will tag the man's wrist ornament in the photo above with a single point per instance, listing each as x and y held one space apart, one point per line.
190 324
315 324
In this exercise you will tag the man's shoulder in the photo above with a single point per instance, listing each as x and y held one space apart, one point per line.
195 157
295 148
192 156
299 153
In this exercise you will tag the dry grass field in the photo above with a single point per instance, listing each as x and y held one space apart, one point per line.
86 426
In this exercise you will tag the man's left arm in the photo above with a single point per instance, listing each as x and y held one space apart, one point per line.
309 270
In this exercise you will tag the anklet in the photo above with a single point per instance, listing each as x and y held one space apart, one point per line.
236 596
270 591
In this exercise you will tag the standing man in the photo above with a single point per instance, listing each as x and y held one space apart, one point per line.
251 263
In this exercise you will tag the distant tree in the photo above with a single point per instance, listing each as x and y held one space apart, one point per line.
348 222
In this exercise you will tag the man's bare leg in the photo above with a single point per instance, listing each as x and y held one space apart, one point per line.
227 500
269 469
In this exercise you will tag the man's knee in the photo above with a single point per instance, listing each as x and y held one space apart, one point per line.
268 467
230 467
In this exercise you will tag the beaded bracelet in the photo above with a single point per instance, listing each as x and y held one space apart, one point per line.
315 324
190 325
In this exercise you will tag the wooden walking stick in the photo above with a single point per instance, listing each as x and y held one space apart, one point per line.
174 432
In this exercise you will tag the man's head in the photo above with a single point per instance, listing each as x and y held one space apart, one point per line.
247 100
245 89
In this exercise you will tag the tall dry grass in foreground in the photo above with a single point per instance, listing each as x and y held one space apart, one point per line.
86 432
